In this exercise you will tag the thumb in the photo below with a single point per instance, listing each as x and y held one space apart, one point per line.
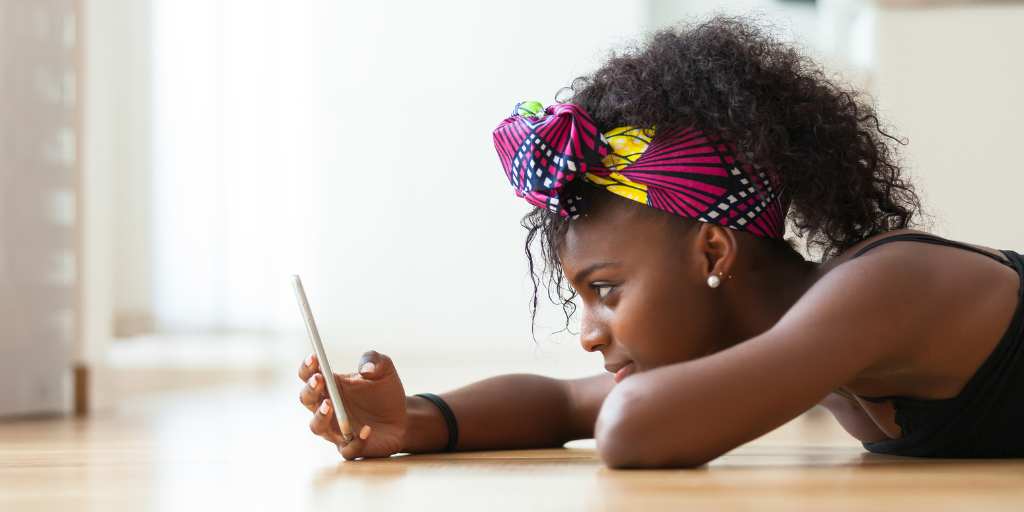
352 450
373 365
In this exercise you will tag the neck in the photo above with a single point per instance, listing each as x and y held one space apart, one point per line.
768 290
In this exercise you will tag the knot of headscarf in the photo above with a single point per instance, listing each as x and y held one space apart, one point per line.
681 171
543 151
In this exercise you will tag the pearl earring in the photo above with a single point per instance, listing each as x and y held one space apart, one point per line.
714 281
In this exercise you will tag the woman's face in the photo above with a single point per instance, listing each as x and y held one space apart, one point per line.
642 280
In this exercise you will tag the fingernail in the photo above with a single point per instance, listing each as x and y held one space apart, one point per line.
367 367
312 381
345 427
364 432
325 408
309 360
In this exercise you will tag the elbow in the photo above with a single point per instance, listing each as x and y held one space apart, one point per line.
616 453
629 438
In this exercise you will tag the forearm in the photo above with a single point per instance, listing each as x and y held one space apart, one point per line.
686 414
505 412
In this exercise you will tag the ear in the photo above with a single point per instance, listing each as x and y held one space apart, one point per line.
717 248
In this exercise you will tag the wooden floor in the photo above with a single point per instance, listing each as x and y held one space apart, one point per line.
240 442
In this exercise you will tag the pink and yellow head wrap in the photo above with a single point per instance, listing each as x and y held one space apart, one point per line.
680 171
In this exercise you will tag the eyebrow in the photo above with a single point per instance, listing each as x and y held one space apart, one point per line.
591 269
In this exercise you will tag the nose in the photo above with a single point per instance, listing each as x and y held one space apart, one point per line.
593 333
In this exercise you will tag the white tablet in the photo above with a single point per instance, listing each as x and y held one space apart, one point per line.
318 347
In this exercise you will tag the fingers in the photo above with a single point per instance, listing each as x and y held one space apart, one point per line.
325 425
313 392
374 365
351 450
308 367
354 448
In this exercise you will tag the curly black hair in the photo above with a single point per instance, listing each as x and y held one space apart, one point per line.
732 79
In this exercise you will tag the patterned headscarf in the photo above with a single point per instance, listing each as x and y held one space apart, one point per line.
680 171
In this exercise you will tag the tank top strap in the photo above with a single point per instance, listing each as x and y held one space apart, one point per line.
929 239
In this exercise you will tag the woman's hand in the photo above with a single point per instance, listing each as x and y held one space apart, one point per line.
375 403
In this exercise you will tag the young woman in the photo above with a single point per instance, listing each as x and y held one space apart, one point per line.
663 187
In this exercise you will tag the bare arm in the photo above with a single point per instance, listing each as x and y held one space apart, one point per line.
514 411
688 413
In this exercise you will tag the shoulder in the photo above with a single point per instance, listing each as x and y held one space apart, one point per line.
881 270
911 275
881 278
871 302
852 252
875 245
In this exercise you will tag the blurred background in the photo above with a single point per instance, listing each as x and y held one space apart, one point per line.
165 165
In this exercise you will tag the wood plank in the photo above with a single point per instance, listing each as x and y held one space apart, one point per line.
244 443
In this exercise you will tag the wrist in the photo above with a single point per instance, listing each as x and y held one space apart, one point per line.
426 430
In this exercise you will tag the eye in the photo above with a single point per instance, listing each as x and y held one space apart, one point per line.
603 289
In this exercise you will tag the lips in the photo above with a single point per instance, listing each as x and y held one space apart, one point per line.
621 370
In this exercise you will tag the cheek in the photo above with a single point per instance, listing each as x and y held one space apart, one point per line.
663 325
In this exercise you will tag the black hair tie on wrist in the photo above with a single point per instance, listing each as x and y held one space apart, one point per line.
449 418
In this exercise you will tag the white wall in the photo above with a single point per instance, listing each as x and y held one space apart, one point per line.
232 151
950 80
793 21
121 37
419 243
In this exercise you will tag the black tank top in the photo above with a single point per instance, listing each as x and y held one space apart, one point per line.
987 418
